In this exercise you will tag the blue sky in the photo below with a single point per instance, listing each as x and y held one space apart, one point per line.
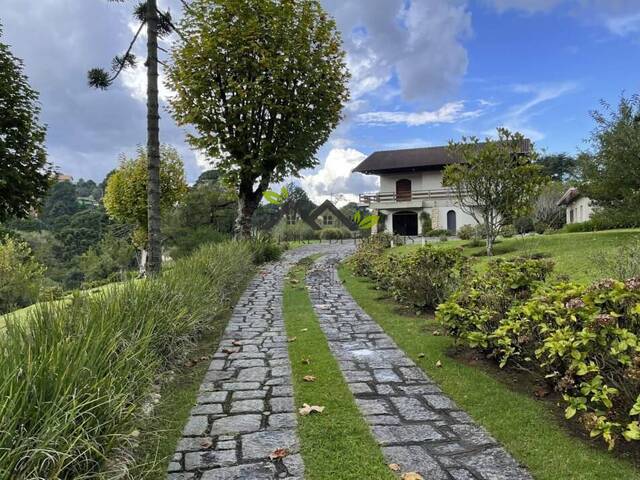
424 72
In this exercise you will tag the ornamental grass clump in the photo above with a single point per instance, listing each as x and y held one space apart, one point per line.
73 376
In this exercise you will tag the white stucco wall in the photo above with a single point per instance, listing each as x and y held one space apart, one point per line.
431 180
581 208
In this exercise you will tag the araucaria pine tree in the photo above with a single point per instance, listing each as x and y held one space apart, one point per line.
158 24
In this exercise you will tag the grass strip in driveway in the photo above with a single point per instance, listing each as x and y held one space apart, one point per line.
336 444
525 426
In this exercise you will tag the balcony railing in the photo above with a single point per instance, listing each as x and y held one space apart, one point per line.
393 197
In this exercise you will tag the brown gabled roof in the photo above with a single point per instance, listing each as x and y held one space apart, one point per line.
414 159
569 196
406 160
327 205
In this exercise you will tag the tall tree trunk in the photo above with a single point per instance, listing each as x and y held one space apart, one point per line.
246 206
154 259
488 227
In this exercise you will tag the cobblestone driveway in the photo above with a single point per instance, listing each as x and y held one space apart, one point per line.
416 425
245 408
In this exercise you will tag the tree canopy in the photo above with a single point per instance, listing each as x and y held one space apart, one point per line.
263 82
24 170
496 181
560 167
611 170
126 198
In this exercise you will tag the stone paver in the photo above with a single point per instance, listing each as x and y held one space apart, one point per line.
245 407
417 426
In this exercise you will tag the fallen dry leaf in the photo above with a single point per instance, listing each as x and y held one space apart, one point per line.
292 339
237 343
306 361
421 355
229 351
395 467
541 392
189 363
278 453
436 332
412 476
309 378
135 434
204 357
304 330
309 409
206 443
439 364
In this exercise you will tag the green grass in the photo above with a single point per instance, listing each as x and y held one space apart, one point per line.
575 254
529 429
337 444
23 313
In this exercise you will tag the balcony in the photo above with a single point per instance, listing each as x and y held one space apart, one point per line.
402 197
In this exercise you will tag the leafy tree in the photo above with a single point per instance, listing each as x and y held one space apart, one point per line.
126 197
496 180
611 170
20 275
24 170
560 167
297 196
263 83
158 24
60 200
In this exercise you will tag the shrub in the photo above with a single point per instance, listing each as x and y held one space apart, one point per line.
587 226
264 249
480 231
584 341
334 233
370 250
75 375
438 233
427 276
474 311
475 242
383 270
426 223
186 240
523 225
443 238
508 231
20 275
466 232
296 232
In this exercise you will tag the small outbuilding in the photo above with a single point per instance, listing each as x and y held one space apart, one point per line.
579 208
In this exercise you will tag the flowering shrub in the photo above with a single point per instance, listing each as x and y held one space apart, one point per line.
585 342
474 311
428 275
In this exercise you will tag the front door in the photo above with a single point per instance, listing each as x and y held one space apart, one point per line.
405 223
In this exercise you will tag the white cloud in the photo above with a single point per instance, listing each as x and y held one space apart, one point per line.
541 93
449 113
624 25
419 42
530 6
335 179
135 80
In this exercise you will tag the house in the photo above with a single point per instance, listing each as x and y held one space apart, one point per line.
578 207
326 215
411 185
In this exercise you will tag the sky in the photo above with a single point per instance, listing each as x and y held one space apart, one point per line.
424 72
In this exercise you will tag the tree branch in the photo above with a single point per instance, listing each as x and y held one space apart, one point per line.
171 24
124 58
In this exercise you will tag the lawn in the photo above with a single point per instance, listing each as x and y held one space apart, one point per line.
575 254
531 430
336 444
23 313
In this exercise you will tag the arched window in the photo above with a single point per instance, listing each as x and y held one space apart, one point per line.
403 190
451 222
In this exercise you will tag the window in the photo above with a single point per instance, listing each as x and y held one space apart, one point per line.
327 220
292 218
403 190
